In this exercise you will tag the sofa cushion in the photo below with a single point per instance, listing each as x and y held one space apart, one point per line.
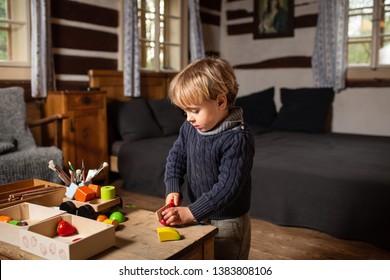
136 121
304 109
169 117
259 109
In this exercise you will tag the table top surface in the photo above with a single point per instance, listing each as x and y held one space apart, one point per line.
136 239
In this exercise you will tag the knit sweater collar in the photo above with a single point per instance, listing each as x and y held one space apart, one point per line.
233 120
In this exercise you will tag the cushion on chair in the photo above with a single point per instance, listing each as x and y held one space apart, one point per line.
13 117
30 163
20 158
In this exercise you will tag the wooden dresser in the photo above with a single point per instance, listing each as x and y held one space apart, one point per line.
85 131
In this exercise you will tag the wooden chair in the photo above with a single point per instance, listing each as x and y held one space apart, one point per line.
20 157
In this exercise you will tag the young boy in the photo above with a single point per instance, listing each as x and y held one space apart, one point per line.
215 149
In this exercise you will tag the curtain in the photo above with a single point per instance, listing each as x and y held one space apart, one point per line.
329 59
131 72
42 65
195 29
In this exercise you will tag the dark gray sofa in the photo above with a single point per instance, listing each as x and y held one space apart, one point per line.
302 176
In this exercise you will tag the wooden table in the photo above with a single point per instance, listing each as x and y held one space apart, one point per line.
136 238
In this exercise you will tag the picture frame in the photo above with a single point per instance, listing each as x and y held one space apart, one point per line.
273 19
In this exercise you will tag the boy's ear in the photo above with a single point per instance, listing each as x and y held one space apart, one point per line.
222 102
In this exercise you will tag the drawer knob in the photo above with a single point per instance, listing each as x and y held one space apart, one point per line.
86 100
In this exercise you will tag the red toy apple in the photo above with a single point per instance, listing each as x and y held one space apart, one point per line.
64 228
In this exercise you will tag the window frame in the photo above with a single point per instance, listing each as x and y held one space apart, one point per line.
182 42
373 74
18 57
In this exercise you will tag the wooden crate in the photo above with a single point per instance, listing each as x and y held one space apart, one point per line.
54 198
28 212
92 237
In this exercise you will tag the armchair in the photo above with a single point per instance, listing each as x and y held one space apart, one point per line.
20 157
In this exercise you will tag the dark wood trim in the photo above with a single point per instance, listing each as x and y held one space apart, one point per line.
238 14
76 11
212 5
239 29
281 62
79 65
83 39
368 83
306 21
207 18
72 85
212 53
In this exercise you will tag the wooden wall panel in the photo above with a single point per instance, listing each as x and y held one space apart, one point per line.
71 85
84 36
280 62
212 5
207 18
76 11
83 39
239 14
65 64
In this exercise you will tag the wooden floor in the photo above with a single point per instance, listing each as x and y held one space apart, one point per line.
271 242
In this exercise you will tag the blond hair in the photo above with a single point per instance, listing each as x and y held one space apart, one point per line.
204 79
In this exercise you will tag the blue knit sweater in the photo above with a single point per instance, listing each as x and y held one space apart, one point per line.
218 165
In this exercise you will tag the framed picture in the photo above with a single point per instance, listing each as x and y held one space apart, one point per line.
273 19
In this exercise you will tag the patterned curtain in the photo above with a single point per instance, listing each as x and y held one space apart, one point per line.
195 29
42 65
131 72
329 58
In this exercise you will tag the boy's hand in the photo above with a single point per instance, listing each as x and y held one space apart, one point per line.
177 216
176 198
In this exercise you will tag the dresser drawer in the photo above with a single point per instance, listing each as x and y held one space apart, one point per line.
86 101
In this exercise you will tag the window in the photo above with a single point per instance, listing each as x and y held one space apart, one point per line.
160 24
369 40
14 33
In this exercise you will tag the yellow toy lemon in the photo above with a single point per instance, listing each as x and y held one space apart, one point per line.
167 234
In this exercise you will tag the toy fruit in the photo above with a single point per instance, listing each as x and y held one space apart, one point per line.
64 228
115 223
15 222
159 211
117 216
167 234
101 218
5 219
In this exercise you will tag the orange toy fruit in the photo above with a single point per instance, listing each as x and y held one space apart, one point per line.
101 218
5 219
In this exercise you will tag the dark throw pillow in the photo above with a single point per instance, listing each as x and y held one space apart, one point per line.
136 121
169 117
7 146
259 109
304 109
